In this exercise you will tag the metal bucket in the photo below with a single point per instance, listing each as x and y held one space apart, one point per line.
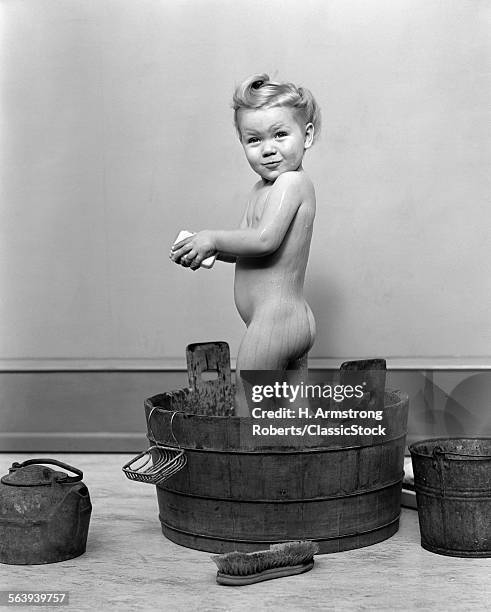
452 478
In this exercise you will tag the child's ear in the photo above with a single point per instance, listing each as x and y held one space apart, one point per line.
309 135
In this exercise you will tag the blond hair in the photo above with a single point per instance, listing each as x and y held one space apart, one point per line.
258 91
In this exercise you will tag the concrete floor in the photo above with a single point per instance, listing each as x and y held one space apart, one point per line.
130 566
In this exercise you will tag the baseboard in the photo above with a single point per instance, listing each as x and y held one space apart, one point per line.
76 442
177 364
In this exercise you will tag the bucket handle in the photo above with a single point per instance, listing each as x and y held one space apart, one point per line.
154 439
65 466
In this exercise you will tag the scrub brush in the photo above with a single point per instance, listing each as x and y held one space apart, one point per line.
286 559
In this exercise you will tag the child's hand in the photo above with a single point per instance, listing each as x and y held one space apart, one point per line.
191 251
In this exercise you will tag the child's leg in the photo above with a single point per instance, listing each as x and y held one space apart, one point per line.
257 351
274 343
298 373
299 365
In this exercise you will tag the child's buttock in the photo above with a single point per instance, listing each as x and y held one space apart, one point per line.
292 320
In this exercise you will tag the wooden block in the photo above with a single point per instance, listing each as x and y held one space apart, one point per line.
369 371
215 396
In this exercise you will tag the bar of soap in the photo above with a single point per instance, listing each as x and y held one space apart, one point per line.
206 263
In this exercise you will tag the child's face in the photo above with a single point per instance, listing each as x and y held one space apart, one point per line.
274 139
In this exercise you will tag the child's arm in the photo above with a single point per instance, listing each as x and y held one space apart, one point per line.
281 206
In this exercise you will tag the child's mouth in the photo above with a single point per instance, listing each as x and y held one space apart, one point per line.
272 164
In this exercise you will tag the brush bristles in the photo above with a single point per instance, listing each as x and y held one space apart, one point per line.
279 555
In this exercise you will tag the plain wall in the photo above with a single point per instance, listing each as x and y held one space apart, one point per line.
117 132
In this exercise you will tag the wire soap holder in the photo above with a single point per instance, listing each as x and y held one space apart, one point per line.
158 462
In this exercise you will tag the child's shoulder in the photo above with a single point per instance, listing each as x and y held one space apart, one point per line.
294 177
292 180
295 180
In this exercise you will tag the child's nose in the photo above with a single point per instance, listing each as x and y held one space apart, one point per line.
268 148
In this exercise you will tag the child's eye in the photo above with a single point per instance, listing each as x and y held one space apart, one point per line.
252 140
281 134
